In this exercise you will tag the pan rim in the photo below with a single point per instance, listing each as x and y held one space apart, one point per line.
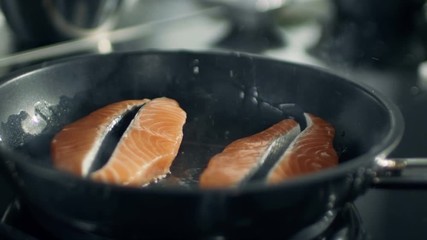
364 161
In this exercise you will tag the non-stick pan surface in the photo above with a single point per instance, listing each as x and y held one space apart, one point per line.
226 96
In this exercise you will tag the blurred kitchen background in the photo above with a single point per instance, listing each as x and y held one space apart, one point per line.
378 43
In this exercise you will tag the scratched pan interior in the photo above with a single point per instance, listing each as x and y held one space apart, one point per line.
225 97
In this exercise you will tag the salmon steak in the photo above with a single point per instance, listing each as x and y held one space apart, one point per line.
311 151
74 148
303 152
244 156
143 153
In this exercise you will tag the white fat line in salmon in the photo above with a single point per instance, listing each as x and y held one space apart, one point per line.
94 156
291 145
91 155
272 155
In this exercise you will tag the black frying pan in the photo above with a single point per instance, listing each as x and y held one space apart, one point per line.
226 96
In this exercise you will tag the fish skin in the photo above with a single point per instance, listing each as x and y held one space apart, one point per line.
148 147
310 152
74 148
240 158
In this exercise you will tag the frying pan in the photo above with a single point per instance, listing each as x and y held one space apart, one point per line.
226 96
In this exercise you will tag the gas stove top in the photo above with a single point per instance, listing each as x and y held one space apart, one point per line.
18 223
306 31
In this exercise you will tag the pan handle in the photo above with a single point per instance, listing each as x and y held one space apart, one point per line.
401 173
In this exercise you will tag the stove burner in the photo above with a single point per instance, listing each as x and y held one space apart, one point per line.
18 223
345 224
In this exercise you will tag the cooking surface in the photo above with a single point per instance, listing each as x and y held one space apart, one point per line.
300 36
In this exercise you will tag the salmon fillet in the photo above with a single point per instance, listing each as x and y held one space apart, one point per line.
147 148
74 148
311 151
243 156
